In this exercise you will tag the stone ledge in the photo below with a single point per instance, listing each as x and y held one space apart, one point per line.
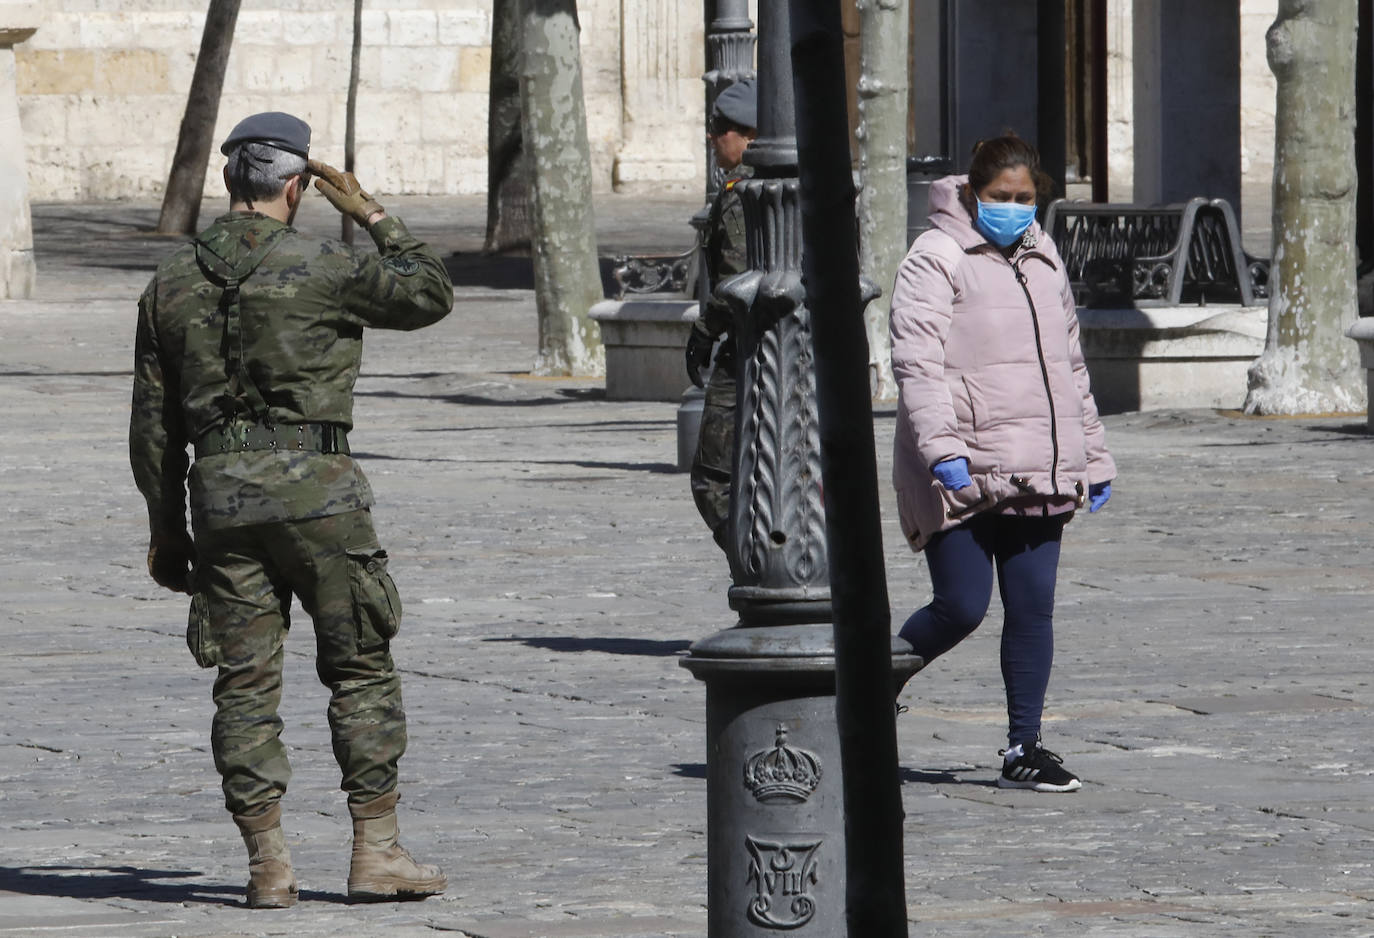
645 338
1139 359
1171 356
1362 331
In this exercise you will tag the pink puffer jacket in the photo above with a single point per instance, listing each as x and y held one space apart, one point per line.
988 367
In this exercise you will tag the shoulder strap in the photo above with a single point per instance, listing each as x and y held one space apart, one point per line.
228 277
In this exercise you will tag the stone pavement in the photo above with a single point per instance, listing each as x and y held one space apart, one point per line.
1213 684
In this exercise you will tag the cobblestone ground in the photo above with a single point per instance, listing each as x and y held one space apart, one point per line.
1212 684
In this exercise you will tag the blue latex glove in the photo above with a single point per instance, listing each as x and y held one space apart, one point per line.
952 473
1098 493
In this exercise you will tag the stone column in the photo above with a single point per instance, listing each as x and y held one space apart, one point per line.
992 52
1187 100
1051 80
1364 152
930 107
18 21
659 72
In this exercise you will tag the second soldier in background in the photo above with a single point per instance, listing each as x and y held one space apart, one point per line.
732 127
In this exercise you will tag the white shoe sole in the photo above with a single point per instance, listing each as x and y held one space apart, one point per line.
1004 782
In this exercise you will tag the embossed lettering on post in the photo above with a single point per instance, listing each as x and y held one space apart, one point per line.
782 873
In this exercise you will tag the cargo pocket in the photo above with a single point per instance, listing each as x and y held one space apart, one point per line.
376 604
198 636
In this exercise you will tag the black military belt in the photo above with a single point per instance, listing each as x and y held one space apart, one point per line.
242 437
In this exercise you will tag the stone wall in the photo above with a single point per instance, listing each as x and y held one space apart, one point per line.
102 87
103 83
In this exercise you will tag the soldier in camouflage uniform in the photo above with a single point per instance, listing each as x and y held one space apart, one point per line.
733 119
248 345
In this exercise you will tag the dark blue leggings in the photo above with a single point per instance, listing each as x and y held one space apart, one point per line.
1026 554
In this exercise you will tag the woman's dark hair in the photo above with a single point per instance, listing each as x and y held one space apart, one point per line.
992 156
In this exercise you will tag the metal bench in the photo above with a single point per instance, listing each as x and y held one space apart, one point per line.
1121 255
653 273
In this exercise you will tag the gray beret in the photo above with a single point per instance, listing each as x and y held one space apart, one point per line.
283 131
738 104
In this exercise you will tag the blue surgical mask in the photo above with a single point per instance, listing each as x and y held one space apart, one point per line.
1003 222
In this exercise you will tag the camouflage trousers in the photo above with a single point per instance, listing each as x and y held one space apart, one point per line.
713 464
241 611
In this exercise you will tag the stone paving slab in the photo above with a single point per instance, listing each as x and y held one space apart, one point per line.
1212 684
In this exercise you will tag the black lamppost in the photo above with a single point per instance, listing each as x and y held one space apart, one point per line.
776 819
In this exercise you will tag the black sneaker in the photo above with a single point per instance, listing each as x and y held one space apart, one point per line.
1038 770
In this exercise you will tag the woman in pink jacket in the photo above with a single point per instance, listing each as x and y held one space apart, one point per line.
998 438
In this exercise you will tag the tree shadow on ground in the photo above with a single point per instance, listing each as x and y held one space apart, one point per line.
615 426
115 882
661 468
940 777
512 271
560 396
1346 429
610 646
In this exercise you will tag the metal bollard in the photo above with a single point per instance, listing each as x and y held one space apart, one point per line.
775 805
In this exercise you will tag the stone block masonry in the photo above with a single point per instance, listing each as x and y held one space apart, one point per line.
102 87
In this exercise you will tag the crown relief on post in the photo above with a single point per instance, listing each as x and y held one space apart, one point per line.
783 773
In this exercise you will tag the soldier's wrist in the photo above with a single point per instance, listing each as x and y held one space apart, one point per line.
701 329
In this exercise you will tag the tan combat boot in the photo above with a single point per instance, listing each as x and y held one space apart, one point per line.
381 868
271 884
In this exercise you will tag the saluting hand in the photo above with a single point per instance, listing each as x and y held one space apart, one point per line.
345 194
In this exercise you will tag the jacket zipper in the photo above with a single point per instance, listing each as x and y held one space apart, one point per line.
1044 376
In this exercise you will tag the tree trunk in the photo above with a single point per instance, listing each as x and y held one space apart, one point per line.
508 174
1308 365
351 110
882 162
567 280
186 182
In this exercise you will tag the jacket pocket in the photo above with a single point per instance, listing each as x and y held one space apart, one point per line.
963 502
376 604
199 638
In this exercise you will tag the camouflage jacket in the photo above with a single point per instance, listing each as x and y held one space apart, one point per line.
298 334
725 250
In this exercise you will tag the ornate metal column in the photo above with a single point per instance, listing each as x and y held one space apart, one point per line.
775 825
729 57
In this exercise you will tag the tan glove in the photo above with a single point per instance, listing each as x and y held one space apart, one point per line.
343 191
171 558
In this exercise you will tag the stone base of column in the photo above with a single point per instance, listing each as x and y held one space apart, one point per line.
18 22
1362 331
18 273
645 339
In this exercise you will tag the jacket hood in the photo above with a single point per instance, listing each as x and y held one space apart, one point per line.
949 215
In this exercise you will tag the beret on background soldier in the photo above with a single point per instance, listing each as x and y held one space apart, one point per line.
738 104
